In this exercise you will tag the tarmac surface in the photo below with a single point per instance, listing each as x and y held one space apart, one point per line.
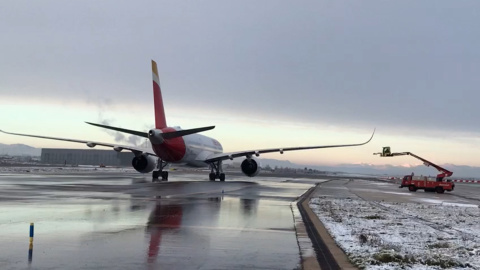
122 221
463 194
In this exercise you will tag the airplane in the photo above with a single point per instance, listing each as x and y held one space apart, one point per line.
184 146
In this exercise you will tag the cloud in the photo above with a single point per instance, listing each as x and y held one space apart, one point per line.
349 64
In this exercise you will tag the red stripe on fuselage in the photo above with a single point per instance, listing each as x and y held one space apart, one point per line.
171 150
160 121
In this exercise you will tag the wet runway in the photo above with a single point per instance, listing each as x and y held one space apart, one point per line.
464 194
121 221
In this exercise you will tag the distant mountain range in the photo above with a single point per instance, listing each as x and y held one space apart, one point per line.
460 171
19 150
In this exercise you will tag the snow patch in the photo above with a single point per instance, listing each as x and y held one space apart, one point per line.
460 204
434 201
397 193
380 235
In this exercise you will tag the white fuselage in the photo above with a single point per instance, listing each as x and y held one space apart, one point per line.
199 148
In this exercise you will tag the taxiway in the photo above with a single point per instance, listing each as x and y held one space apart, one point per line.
121 221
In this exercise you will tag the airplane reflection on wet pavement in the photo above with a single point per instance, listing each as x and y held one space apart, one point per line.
108 222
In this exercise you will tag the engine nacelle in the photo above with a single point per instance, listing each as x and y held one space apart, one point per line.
144 163
251 167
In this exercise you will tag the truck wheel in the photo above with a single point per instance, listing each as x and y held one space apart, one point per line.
439 190
412 188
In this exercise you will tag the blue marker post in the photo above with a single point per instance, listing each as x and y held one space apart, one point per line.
31 232
30 247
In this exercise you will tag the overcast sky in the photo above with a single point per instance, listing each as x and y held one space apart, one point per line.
266 73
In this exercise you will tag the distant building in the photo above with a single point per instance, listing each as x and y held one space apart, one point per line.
85 157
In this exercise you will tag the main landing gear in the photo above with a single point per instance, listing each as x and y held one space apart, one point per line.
160 173
216 171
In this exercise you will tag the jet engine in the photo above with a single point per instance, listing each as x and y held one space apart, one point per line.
250 167
144 163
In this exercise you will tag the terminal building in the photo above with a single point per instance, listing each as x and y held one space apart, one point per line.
85 157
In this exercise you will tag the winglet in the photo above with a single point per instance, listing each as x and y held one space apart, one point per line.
160 120
372 136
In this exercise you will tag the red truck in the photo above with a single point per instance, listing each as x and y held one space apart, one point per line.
438 184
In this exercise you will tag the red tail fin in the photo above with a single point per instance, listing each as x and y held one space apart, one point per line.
160 121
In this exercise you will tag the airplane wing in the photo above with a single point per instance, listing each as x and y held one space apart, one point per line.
116 147
232 155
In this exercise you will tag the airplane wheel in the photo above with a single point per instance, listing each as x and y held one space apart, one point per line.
211 176
155 175
164 176
222 177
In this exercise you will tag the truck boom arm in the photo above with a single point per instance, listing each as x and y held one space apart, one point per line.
444 172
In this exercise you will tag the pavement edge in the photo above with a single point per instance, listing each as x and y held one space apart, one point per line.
329 255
